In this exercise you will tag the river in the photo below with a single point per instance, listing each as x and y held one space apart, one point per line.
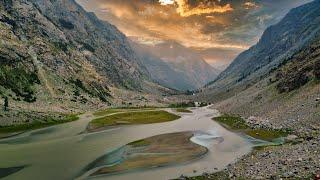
63 151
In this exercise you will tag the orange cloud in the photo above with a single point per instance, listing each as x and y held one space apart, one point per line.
184 9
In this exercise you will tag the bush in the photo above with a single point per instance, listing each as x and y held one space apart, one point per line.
60 46
19 81
88 47
316 69
66 24
292 81
94 89
182 105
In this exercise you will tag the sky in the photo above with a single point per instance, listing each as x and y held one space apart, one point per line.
218 29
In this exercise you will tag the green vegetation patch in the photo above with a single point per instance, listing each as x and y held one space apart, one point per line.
183 110
19 81
236 123
37 124
144 117
232 122
106 112
268 135
182 105
139 143
92 88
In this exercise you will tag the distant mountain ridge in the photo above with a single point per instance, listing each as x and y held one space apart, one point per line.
175 66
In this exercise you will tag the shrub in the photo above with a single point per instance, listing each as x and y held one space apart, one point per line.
66 24
292 81
19 81
316 69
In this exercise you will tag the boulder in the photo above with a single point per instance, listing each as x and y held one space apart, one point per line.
291 138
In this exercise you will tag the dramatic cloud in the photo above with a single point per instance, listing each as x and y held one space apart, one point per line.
166 2
185 9
228 25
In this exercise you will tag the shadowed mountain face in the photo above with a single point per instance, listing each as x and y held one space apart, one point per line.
278 43
61 47
175 66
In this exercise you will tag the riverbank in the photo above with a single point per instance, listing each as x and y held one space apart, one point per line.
297 159
4 172
288 161
37 122
239 125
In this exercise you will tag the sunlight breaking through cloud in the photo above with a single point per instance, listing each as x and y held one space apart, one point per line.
184 8
166 2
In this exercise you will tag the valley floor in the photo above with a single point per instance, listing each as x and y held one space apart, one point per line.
297 111
298 159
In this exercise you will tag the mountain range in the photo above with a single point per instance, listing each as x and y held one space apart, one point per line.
173 65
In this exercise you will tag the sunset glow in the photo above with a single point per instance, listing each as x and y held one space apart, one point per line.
199 24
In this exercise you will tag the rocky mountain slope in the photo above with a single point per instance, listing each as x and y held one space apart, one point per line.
175 66
278 43
282 84
55 50
299 69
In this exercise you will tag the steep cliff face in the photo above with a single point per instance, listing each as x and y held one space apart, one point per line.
279 42
55 48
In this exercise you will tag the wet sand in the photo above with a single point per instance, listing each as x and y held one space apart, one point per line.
157 151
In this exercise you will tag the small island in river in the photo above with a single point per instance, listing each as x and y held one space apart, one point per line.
156 151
